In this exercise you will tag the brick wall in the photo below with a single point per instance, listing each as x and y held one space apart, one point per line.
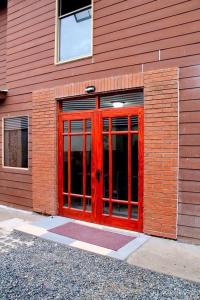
44 163
160 152
160 144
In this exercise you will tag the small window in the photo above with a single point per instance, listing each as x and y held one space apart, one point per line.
16 142
74 23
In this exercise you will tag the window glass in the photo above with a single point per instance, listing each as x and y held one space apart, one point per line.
16 142
75 29
70 6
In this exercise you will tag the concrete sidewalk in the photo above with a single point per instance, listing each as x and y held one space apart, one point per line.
157 254
169 257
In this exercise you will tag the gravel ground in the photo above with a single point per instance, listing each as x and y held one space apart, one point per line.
38 269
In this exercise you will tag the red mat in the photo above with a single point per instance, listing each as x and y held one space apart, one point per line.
98 237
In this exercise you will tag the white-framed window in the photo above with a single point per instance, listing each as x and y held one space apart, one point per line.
74 30
15 142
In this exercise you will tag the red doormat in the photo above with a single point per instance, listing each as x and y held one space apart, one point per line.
98 237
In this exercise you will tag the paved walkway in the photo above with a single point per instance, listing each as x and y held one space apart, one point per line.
40 269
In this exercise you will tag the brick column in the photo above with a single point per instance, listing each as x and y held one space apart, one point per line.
160 152
44 162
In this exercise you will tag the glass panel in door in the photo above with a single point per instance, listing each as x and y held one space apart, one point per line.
120 166
77 149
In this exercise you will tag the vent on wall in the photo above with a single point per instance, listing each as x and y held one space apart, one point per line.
135 98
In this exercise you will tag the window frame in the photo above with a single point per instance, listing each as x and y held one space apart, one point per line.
3 126
57 36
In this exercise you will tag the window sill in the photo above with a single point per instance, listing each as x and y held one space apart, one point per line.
72 59
15 168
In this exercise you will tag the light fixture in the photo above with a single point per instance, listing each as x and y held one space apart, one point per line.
118 104
90 89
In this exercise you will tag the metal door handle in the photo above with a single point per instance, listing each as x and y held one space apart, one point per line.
98 175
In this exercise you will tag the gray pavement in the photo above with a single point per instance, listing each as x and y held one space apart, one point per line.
40 269
169 257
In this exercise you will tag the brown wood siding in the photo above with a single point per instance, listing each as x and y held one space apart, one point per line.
3 25
127 38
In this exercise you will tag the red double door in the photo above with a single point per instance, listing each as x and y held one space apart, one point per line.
100 166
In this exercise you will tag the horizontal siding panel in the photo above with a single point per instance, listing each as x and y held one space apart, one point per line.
190 163
149 37
149 11
189 197
135 20
190 186
192 82
192 105
189 209
30 11
12 199
190 117
138 29
190 175
190 94
17 185
190 140
22 178
190 71
190 232
189 240
190 128
180 52
3 26
190 221
190 151
101 12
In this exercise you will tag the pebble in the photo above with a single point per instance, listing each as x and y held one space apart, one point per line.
38 269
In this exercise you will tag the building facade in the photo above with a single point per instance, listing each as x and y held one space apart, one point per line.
100 112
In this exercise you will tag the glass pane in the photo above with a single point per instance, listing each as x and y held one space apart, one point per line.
119 209
134 123
65 127
106 208
134 167
77 165
88 165
135 98
65 163
88 125
66 201
120 167
120 124
16 142
76 203
70 6
79 104
106 124
75 35
106 166
77 126
88 205
134 212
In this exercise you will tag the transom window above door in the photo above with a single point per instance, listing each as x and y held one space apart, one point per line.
74 30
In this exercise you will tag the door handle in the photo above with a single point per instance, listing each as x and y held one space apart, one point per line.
98 175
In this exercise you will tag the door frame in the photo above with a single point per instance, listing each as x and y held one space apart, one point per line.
96 215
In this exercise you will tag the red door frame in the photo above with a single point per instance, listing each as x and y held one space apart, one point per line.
96 215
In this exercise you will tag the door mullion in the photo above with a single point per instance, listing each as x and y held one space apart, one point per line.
129 168
84 165
69 165
110 167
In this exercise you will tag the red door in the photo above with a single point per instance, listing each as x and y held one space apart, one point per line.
101 166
